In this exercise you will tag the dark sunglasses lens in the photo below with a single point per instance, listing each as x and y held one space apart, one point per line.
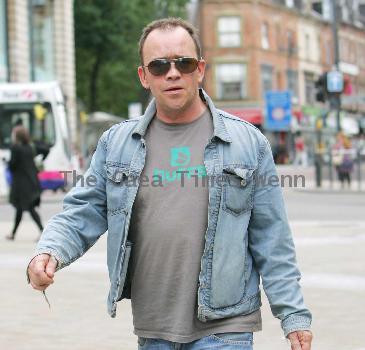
186 64
159 67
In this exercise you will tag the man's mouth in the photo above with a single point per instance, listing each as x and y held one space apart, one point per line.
175 88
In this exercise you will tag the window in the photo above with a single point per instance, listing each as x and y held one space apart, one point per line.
37 118
231 81
265 36
292 82
327 10
229 31
266 78
362 9
344 49
291 43
319 49
324 8
307 47
41 29
279 40
361 55
298 4
3 43
345 11
352 52
328 49
309 88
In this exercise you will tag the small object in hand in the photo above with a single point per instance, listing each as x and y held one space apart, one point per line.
45 297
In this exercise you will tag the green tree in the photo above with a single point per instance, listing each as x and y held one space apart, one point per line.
106 37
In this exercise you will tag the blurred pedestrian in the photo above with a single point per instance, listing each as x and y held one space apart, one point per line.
25 189
300 150
343 159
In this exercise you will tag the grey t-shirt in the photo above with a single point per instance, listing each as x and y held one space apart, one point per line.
168 227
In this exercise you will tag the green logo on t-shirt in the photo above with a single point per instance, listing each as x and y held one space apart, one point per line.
180 158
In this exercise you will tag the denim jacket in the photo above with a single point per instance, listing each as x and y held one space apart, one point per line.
247 235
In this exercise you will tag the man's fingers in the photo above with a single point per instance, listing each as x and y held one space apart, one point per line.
40 282
294 341
51 267
306 339
40 288
300 340
39 279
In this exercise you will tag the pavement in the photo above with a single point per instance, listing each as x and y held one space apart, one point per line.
303 179
329 233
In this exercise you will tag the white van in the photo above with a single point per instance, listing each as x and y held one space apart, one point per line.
40 108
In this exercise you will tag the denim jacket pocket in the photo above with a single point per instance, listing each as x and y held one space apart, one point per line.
116 187
238 189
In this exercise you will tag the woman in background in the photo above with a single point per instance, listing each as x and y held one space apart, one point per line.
343 159
25 188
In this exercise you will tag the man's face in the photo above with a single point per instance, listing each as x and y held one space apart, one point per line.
174 91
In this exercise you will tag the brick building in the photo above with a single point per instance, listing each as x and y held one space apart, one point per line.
37 44
253 46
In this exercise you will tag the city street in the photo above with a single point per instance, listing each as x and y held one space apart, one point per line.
329 233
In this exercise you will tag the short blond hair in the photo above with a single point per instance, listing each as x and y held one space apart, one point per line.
169 24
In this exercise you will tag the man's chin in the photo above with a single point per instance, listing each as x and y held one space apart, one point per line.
176 106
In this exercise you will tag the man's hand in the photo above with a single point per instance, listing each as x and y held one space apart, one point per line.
300 340
41 271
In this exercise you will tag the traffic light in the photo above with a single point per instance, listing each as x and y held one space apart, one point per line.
321 86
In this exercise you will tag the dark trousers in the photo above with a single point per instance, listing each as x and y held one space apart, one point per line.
344 176
18 217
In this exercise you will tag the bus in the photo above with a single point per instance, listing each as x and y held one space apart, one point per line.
40 108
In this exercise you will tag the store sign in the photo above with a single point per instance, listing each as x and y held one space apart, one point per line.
278 110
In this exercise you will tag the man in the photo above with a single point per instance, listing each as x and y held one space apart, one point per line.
190 228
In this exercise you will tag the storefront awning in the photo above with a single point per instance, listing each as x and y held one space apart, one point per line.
252 115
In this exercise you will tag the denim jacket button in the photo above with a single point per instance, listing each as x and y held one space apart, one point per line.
243 183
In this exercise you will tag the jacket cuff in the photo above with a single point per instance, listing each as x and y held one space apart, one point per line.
295 323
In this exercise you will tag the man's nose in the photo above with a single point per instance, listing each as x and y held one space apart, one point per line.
173 72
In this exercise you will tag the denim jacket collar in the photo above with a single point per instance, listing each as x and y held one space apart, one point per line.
220 130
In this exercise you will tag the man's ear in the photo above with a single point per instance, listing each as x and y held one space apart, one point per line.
142 77
201 70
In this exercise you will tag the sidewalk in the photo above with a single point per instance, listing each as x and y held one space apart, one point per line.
297 172
47 197
329 255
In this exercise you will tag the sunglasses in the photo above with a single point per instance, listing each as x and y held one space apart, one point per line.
161 66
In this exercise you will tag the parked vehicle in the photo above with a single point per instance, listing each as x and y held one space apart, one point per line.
40 108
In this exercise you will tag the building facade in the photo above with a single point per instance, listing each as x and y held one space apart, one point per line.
37 44
255 46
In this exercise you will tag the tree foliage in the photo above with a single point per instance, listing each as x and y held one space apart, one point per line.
106 37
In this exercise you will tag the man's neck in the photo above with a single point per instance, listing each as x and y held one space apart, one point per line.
183 115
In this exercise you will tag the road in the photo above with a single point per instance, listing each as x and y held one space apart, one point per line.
329 233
